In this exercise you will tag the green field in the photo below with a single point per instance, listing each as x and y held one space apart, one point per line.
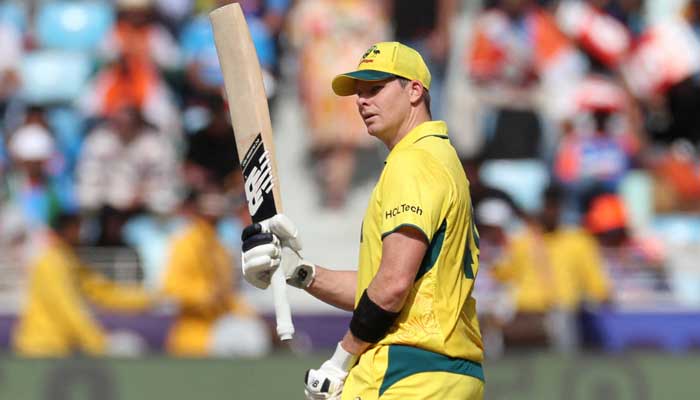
535 376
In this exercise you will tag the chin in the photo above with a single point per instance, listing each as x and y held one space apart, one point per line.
372 129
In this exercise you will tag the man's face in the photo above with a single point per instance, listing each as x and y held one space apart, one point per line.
383 106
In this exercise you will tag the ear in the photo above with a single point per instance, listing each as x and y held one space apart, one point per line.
415 92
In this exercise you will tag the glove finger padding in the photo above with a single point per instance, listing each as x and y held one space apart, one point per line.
319 385
260 257
284 229
251 230
327 382
270 250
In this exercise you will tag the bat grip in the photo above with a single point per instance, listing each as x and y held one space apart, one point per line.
283 313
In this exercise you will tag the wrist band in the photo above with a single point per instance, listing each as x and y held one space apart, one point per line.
370 323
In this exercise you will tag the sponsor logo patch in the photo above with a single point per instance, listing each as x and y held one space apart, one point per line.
402 209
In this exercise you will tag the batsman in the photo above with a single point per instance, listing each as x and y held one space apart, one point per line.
414 333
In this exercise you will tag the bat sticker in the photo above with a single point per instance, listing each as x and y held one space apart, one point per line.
257 173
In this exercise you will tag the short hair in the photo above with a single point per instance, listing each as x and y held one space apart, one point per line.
426 93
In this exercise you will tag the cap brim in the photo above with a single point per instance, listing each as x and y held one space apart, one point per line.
344 84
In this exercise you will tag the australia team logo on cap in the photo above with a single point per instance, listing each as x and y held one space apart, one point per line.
371 53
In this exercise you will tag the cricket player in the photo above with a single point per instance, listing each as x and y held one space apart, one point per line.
414 332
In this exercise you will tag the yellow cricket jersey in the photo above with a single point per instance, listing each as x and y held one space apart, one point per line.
56 319
199 276
423 185
553 270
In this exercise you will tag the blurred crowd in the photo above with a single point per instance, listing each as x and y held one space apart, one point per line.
578 122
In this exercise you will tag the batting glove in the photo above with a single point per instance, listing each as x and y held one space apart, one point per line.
269 243
326 383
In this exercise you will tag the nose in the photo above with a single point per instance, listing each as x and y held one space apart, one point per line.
361 101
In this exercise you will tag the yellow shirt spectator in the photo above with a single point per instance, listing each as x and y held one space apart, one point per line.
553 270
199 277
56 320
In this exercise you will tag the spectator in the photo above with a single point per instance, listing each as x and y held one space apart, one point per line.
56 320
515 46
663 72
427 27
211 151
30 185
551 271
588 161
676 178
327 34
137 37
635 263
125 167
129 82
213 318
138 51
495 219
601 36
599 144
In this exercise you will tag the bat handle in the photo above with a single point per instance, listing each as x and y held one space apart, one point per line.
283 313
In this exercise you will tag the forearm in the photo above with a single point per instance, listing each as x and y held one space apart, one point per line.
390 300
389 291
353 345
388 305
380 305
336 288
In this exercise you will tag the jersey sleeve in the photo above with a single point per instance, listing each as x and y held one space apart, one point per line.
413 191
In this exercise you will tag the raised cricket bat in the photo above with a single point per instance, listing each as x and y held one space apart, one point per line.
253 131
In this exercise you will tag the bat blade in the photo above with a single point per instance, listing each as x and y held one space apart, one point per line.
250 118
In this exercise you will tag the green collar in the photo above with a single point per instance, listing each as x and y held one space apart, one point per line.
429 128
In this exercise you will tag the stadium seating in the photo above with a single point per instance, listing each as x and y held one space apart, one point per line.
74 25
14 14
54 76
524 180
678 228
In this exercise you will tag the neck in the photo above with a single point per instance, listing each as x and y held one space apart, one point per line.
416 117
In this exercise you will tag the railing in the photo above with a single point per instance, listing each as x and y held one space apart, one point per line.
120 264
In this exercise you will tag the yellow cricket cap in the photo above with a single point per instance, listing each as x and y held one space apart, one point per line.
382 61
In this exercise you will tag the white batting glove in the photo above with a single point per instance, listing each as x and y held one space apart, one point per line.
268 243
326 383
260 256
298 272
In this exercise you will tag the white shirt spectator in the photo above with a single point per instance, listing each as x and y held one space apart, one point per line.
143 171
